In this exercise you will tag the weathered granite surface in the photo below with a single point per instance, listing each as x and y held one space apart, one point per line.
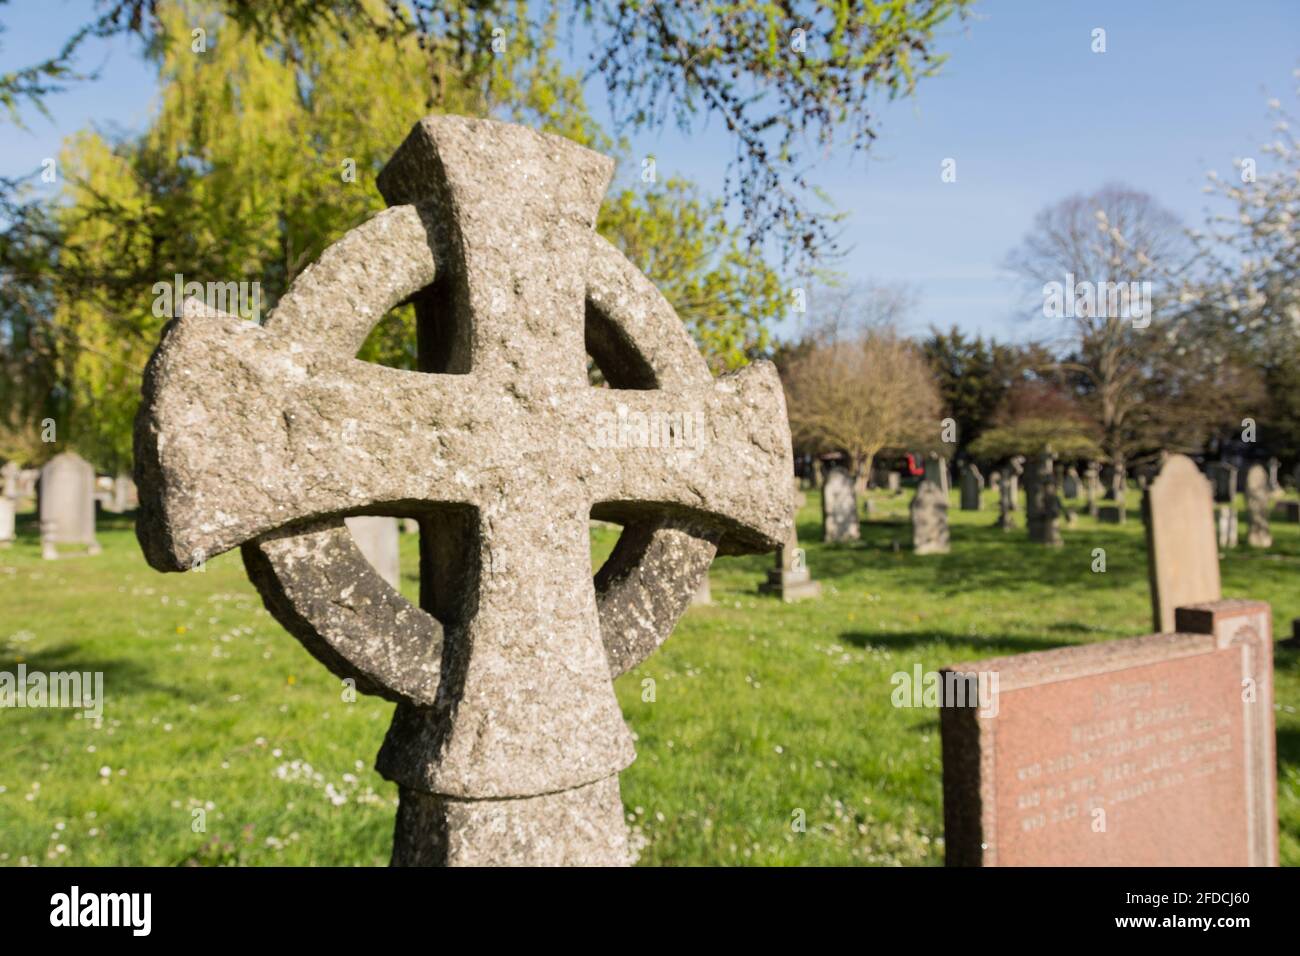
507 738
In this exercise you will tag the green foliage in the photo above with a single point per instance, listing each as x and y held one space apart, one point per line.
776 74
1063 438
262 153
719 285
973 377
780 74
35 83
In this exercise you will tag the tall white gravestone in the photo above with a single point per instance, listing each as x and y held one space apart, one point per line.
67 505
839 508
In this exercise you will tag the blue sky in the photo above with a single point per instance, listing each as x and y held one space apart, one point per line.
1027 110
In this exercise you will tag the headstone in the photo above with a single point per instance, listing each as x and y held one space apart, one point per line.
936 471
895 482
995 480
1015 468
1136 752
1070 486
703 594
28 479
1274 483
67 505
1225 481
125 496
839 508
1257 508
1006 505
277 430
410 526
929 510
1118 483
1112 514
378 538
791 580
1289 511
1225 523
1042 504
9 480
6 521
104 493
1182 548
1092 487
972 484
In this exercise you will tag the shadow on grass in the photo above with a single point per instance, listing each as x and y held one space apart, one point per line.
1001 644
979 561
121 675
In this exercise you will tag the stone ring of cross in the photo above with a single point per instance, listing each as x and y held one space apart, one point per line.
507 738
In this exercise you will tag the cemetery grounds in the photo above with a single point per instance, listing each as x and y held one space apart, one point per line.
755 715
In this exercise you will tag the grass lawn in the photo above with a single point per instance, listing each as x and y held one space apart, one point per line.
760 709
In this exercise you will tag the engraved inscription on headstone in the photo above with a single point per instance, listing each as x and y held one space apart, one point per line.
1150 751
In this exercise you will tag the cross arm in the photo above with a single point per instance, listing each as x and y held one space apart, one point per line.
716 455
242 431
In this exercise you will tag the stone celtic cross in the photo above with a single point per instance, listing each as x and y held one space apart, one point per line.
507 739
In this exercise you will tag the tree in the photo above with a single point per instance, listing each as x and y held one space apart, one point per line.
1038 417
1243 303
719 285
1106 263
775 73
861 388
973 377
255 161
